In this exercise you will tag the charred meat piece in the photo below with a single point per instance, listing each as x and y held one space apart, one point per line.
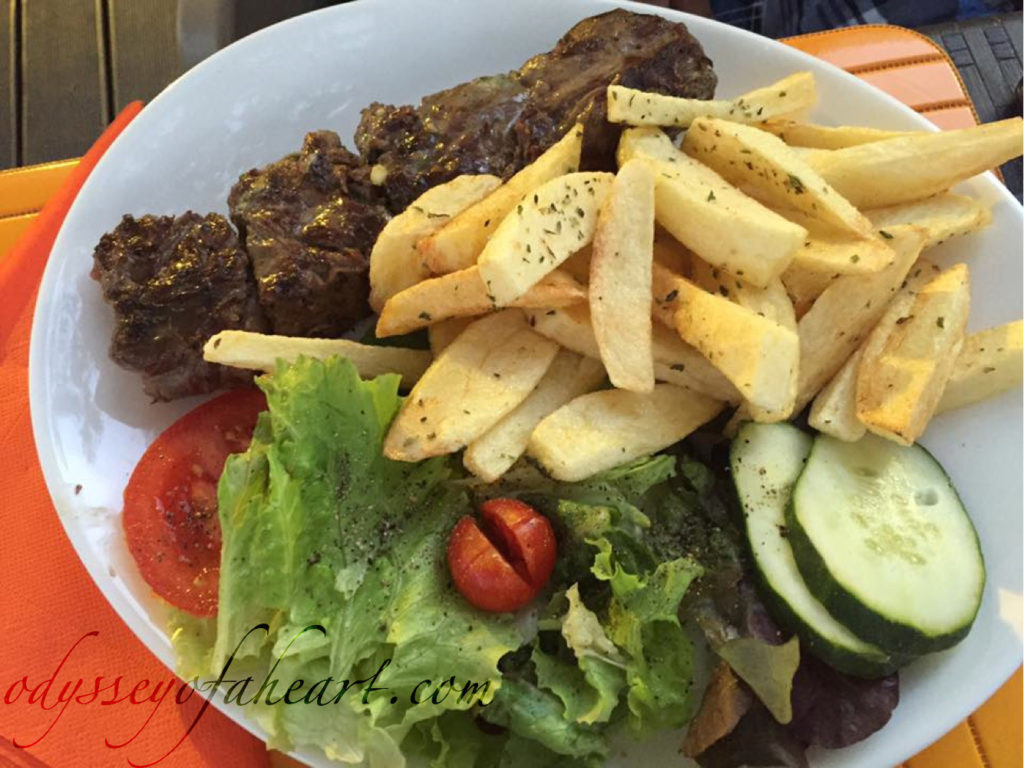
499 124
569 84
309 222
471 128
173 283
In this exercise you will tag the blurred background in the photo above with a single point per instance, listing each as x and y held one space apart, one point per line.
68 66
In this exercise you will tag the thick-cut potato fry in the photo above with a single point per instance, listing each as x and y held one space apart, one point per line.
578 265
665 293
988 364
675 361
791 95
910 168
798 134
821 262
804 286
488 370
604 429
459 242
845 312
463 294
672 254
831 251
834 410
260 352
395 263
569 376
620 278
941 217
771 301
551 224
648 143
761 163
758 355
710 216
445 332
908 359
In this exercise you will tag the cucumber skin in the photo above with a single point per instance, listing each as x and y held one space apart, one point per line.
818 646
893 637
837 658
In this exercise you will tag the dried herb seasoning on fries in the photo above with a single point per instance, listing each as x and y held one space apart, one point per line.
757 260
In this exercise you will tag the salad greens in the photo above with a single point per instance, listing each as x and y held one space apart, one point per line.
339 626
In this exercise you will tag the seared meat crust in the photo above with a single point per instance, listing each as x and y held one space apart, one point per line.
173 283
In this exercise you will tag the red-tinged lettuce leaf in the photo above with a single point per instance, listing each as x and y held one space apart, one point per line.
758 740
834 710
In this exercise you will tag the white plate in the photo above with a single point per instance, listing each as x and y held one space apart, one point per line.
252 103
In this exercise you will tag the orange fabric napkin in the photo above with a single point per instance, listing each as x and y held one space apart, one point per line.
50 610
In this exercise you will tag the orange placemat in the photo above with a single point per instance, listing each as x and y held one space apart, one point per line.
49 604
78 688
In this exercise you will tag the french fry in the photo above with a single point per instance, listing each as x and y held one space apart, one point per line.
988 364
459 242
675 361
798 134
665 292
761 163
908 359
771 301
604 429
758 355
910 168
551 224
260 352
831 251
620 278
941 217
791 95
845 312
672 254
394 262
496 450
578 265
444 333
805 285
710 216
488 370
834 410
463 294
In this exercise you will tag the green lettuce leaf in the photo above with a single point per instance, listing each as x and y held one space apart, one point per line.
643 621
340 553
334 587
530 711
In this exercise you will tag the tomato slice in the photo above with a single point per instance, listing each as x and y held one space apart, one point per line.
505 565
170 505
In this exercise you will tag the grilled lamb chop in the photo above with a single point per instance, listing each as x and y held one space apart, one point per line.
308 222
499 124
173 283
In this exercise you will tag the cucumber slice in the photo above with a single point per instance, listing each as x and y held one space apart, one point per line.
766 460
883 541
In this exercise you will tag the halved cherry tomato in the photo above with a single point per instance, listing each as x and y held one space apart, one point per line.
170 505
506 564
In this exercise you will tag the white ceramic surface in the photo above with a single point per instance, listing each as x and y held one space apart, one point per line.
252 103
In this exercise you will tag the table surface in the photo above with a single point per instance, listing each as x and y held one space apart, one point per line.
992 736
